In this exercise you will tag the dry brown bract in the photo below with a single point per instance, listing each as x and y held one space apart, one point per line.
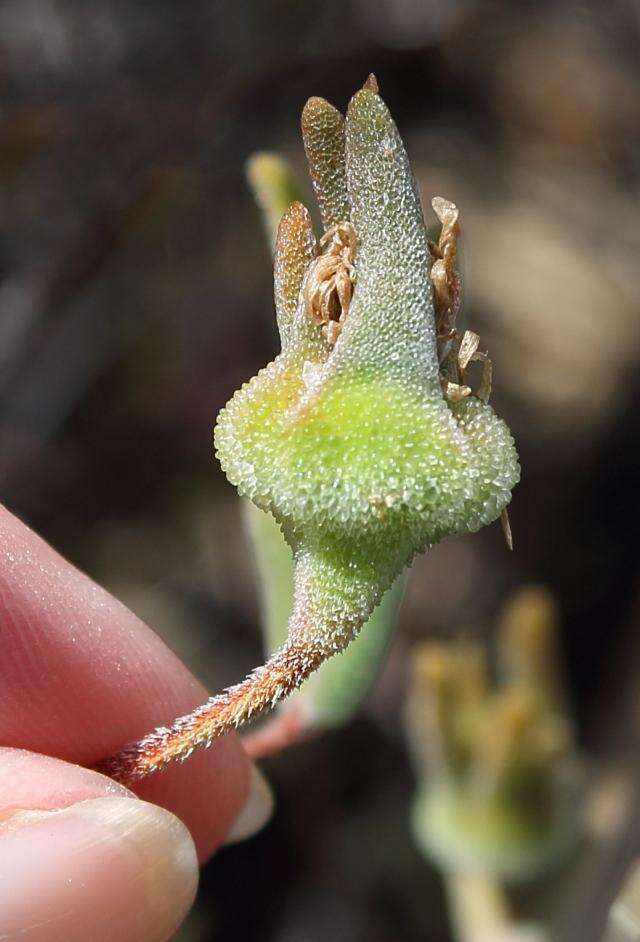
456 352
330 280
446 280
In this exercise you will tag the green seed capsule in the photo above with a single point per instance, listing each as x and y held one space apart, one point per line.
346 438
351 445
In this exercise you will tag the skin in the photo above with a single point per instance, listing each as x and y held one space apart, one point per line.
82 675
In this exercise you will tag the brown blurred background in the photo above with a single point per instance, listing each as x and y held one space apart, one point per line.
135 296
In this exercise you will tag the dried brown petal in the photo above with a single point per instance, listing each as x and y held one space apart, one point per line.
329 284
468 349
484 389
506 528
455 392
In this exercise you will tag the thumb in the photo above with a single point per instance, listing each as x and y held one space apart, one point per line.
102 869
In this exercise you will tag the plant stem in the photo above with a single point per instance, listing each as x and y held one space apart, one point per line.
480 910
287 728
261 690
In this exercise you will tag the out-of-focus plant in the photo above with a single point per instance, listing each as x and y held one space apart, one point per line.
497 801
362 438
274 187
623 924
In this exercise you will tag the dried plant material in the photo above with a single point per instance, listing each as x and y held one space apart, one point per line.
468 349
330 280
486 380
506 527
455 352
467 353
455 392
444 277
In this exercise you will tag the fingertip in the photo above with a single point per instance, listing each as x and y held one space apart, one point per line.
31 780
257 809
82 676
101 869
207 792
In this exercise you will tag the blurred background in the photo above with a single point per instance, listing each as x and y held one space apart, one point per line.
136 296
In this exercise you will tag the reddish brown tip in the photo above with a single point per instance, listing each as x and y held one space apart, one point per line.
372 84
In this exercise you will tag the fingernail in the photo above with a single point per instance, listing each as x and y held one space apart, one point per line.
256 811
103 869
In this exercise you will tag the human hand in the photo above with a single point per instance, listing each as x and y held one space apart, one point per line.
82 858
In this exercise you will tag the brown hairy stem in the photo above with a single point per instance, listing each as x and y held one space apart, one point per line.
258 692
312 639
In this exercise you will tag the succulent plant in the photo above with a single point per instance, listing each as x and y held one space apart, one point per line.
347 438
500 788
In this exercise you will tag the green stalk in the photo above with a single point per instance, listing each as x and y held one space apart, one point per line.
480 911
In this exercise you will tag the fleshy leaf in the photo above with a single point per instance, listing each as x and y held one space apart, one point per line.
323 137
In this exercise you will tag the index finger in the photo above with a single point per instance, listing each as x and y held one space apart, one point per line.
81 676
